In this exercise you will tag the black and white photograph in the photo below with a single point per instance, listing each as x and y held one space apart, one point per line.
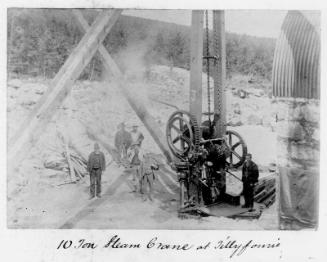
160 119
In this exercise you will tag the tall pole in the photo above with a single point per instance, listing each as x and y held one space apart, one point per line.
219 72
196 64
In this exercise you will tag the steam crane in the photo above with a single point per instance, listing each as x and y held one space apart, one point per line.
204 150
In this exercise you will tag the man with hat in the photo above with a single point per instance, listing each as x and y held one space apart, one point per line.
96 165
137 136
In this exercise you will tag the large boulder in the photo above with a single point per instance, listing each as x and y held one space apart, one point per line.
242 94
311 113
234 120
15 83
236 108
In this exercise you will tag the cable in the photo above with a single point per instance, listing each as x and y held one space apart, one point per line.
208 65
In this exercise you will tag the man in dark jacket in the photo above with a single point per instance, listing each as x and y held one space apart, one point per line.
250 174
123 140
217 155
95 166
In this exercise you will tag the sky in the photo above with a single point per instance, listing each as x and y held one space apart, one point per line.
263 23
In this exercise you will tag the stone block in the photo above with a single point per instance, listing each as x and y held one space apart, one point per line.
282 149
311 112
316 134
304 152
297 109
290 129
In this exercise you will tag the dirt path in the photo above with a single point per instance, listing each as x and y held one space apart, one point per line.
119 207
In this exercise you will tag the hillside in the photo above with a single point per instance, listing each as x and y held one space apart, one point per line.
40 40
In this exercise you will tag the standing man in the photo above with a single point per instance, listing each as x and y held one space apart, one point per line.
137 136
134 157
250 175
95 166
123 140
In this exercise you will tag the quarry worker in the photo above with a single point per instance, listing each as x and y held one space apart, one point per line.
134 157
250 175
137 136
123 140
217 154
96 165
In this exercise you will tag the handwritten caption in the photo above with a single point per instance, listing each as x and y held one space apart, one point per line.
236 247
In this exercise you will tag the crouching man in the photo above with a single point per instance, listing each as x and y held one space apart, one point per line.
250 174
95 166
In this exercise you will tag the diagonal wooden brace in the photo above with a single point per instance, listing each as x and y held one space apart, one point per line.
34 125
139 108
109 64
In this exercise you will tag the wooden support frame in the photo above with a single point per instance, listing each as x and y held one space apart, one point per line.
34 125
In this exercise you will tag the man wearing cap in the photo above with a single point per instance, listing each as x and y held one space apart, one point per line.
250 174
137 136
95 166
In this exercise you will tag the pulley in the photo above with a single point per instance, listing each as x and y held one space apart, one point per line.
183 134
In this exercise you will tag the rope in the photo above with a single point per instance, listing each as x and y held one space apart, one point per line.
208 65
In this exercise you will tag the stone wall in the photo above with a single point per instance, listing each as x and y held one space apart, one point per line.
297 127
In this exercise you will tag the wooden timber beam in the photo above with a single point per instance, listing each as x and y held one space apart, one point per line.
34 125
196 65
140 110
219 73
109 64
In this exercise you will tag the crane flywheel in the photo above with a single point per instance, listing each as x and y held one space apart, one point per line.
183 133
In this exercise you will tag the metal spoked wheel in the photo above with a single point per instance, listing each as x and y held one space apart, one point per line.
238 149
183 133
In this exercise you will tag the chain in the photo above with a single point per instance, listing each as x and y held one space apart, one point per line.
218 64
208 65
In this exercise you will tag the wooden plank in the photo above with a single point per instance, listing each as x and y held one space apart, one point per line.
140 110
196 65
219 74
32 128
70 166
